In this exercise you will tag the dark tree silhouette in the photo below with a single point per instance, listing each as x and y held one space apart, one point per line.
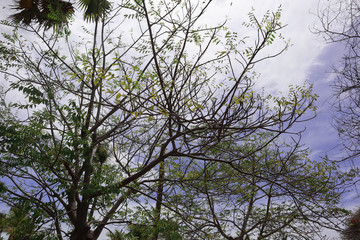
46 13
55 13
340 24
352 230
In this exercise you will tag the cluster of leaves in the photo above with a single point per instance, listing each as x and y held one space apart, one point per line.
167 230
46 13
56 13
23 222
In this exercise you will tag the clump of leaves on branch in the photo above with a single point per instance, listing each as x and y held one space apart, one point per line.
56 13
143 129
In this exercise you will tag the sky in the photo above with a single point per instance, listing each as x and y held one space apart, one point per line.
308 59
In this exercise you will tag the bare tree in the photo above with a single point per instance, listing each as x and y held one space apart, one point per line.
340 23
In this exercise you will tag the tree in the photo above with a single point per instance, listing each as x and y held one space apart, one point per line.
164 229
352 230
275 193
55 13
116 235
24 223
340 24
106 118
2 228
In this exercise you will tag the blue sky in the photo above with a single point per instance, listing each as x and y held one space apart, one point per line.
308 59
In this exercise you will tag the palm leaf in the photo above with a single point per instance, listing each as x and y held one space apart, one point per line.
94 8
55 13
47 13
29 12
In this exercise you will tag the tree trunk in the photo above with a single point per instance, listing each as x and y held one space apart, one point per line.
83 233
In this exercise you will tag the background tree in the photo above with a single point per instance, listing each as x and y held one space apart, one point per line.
108 114
24 223
276 192
352 230
340 24
2 225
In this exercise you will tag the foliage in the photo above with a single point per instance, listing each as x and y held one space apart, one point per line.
56 14
130 128
24 223
94 8
46 13
167 230
262 194
352 230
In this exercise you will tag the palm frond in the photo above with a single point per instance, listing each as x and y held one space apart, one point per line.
29 12
55 13
94 8
46 13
